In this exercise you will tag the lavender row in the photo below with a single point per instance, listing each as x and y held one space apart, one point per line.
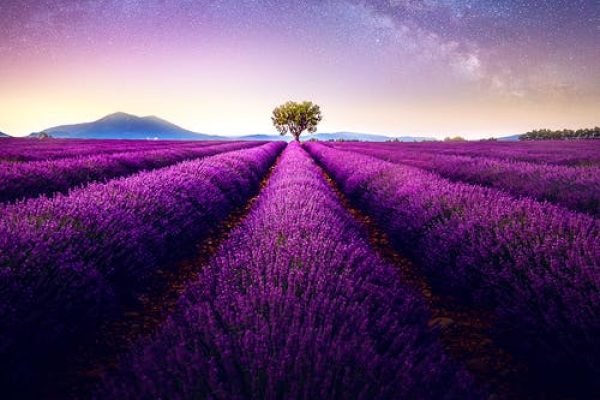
577 188
24 150
69 263
535 265
26 180
584 153
294 305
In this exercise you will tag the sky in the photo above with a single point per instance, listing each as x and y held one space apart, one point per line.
474 68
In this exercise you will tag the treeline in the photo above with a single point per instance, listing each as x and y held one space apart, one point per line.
565 134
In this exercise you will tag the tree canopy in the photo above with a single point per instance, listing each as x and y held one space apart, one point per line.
565 134
455 139
295 118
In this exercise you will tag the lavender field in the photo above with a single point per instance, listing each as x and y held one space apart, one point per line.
323 270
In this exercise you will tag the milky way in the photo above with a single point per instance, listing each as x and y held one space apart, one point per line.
477 68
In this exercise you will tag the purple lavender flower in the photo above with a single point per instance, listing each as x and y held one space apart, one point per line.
31 179
535 265
294 305
68 263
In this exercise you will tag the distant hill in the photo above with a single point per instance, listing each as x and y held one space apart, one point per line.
125 126
265 137
3 135
513 138
349 136
366 137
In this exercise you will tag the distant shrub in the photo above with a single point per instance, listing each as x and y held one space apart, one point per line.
455 139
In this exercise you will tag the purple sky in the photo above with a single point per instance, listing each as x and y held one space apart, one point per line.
401 67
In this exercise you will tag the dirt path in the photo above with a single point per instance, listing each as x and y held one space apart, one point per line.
81 370
463 331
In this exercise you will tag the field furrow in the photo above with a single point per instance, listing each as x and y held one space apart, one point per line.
20 150
263 270
82 368
27 180
533 265
576 188
575 153
71 263
295 304
464 330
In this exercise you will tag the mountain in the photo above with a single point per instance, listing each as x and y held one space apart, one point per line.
513 138
265 137
365 137
125 126
3 135
349 136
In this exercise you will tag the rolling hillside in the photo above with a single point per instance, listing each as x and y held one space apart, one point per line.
125 126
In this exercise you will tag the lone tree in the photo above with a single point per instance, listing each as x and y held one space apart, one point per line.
296 118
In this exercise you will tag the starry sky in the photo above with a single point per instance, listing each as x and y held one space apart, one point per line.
475 68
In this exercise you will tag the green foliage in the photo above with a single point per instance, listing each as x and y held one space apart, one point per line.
565 134
296 118
455 139
44 135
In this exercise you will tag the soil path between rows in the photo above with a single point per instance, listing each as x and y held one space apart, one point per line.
463 331
81 370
